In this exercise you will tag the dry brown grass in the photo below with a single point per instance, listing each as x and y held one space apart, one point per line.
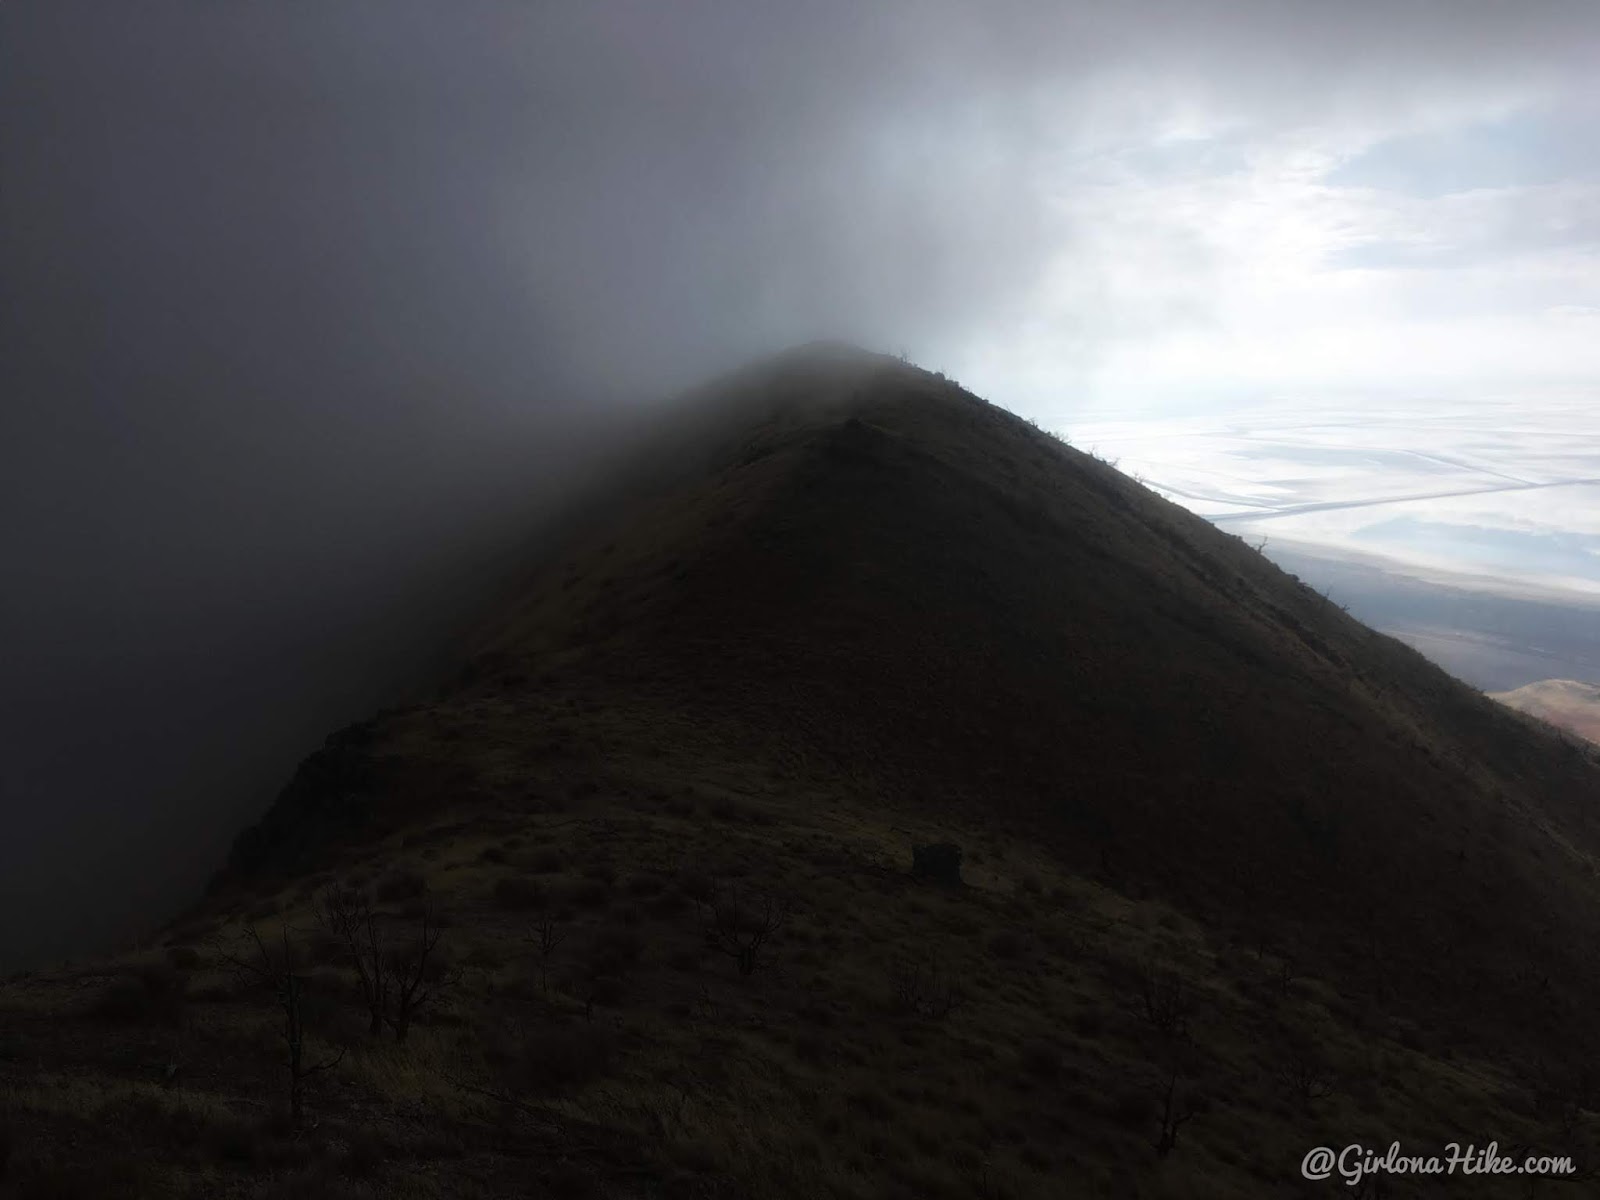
871 614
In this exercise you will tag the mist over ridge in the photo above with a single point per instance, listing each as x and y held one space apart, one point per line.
308 314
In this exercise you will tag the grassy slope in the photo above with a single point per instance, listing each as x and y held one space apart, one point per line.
851 610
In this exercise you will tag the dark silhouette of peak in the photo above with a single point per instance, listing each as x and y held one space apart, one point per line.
1222 867
869 571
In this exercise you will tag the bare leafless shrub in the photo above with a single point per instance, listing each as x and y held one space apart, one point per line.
346 915
280 969
1284 974
400 971
1164 1000
922 987
1179 1104
740 922
414 974
547 937
1305 1075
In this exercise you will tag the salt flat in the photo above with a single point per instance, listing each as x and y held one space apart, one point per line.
1471 529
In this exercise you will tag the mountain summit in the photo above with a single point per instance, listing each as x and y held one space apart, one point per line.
1206 870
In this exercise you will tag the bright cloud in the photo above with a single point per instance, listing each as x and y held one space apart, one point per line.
1247 265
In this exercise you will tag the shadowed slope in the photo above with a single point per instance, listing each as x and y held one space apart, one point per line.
912 586
1218 834
867 572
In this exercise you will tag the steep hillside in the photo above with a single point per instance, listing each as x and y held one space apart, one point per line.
1241 876
1565 703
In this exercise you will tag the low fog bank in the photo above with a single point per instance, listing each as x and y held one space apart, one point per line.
280 407
168 662
309 318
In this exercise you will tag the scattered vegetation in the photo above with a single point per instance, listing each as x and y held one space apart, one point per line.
279 969
1133 733
414 975
547 939
1164 1000
347 916
740 922
922 987
1178 1108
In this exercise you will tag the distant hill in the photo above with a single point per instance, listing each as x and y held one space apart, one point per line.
1565 703
1240 876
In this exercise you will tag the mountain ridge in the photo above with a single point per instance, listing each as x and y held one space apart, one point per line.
818 549
1224 849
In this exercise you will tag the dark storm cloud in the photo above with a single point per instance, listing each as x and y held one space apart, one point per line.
300 303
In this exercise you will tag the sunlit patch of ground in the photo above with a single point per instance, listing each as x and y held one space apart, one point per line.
1565 703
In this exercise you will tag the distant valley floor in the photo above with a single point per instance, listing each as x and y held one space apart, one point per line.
1466 527
1494 642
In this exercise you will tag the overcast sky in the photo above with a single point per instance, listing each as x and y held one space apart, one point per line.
292 296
